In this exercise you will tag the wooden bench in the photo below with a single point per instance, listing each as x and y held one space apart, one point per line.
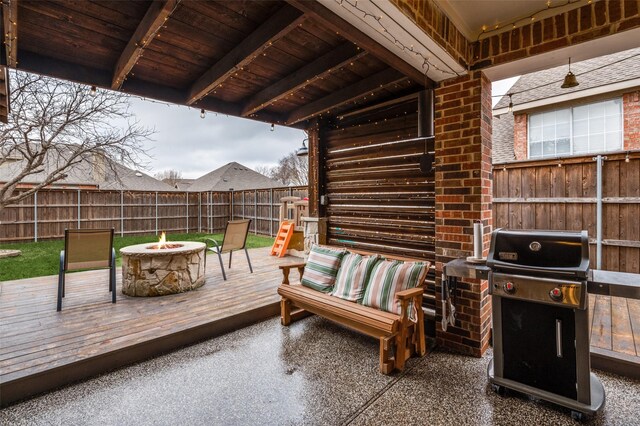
399 337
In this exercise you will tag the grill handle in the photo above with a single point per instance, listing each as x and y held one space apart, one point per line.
559 338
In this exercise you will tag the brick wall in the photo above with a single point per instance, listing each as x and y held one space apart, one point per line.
520 136
463 195
591 21
631 114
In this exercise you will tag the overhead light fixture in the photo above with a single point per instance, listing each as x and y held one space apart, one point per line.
202 113
303 151
93 91
510 104
570 79
273 127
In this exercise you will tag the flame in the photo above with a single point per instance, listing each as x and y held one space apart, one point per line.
162 241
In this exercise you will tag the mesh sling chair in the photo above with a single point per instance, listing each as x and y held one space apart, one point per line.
87 249
235 238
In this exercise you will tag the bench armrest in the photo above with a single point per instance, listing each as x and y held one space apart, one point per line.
409 293
286 268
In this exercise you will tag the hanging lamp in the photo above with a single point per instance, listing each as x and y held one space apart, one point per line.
570 79
303 151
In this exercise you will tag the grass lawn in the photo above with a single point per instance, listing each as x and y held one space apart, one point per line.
43 258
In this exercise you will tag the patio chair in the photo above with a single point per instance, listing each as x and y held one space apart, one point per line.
87 249
235 238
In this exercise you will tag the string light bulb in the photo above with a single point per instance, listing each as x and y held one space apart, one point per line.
93 91
626 158
510 103
273 127
202 113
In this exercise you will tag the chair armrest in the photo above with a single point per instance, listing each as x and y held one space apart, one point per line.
286 268
409 293
215 243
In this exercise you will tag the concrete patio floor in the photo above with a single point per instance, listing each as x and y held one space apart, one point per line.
312 372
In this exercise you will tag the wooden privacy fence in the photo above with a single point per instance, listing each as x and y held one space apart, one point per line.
563 195
47 213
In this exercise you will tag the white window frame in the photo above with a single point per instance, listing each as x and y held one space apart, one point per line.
571 144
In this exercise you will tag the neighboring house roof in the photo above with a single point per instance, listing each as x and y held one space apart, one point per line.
502 137
91 171
183 184
546 84
232 176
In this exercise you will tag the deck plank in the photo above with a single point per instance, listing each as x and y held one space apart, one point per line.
621 333
601 331
35 339
634 314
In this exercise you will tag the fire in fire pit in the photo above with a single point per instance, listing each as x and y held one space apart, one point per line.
163 244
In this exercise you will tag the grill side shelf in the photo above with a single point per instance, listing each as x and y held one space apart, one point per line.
619 284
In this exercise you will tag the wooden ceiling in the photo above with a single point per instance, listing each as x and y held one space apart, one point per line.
281 62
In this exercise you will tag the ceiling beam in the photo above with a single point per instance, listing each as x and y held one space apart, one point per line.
149 26
10 31
335 59
316 11
282 22
351 93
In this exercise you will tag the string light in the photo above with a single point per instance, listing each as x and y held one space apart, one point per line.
626 158
510 103
93 91
202 113
273 127
526 19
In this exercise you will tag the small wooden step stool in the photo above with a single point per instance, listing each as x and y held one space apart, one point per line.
282 239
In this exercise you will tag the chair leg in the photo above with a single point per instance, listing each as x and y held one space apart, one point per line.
230 253
60 282
224 276
112 283
248 260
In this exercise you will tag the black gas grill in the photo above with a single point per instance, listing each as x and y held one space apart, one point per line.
538 283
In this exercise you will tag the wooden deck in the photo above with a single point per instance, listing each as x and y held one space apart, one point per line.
41 349
615 334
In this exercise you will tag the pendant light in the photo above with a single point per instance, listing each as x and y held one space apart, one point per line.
303 151
569 79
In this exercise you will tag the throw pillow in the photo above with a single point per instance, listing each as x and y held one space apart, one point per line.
321 268
387 278
352 276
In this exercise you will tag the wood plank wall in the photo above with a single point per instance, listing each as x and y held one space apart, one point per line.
136 213
543 195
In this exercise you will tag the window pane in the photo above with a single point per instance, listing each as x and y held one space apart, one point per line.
535 134
548 149
580 144
562 130
596 143
581 112
535 120
549 118
549 132
614 141
612 123
563 146
563 115
596 110
581 127
612 107
596 125
535 150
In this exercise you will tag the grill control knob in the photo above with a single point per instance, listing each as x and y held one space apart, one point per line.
556 294
509 287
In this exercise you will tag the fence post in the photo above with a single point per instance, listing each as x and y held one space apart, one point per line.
231 206
187 194
200 212
243 215
271 212
78 209
35 216
255 211
121 213
156 212
599 159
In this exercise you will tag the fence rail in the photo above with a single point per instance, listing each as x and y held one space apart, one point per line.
47 213
563 195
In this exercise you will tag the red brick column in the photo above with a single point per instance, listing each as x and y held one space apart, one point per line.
631 114
463 195
520 136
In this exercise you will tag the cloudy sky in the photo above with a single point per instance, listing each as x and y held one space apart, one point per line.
194 146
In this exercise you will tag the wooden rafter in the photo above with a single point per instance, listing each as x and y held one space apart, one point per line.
348 94
339 57
10 31
324 16
153 20
282 22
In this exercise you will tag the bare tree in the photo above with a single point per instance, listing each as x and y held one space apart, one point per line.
54 125
292 170
172 177
267 171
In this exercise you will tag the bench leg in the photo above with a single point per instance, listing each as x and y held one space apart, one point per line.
285 312
421 344
386 362
401 348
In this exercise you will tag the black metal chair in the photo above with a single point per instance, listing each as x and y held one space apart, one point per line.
87 249
235 238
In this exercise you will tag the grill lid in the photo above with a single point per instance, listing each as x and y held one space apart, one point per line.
545 252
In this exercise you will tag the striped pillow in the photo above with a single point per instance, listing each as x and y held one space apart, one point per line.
321 268
352 276
390 277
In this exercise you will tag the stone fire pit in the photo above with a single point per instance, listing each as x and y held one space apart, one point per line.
148 270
